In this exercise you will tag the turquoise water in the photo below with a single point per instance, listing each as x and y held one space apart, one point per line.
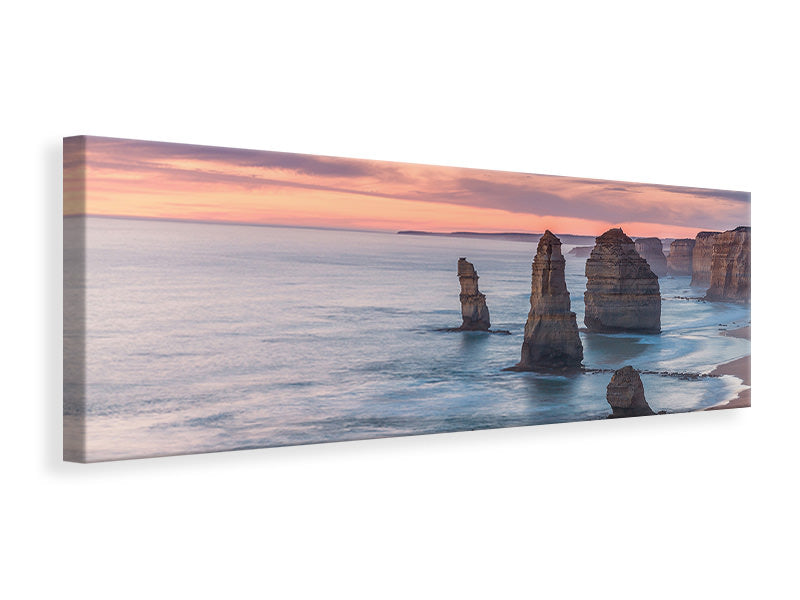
205 337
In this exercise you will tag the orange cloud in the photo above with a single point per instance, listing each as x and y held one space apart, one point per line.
147 179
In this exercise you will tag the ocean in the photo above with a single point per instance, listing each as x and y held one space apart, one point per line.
208 337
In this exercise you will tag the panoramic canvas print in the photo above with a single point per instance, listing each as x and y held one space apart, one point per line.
222 299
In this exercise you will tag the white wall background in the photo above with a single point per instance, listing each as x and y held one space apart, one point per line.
688 93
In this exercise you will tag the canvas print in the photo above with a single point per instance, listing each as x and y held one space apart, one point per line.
221 299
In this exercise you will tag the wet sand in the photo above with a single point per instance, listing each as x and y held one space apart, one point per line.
738 368
742 332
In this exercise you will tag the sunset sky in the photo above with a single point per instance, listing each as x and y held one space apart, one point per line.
180 181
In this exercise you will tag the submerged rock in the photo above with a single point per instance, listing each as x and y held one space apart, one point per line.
701 258
551 339
625 394
730 267
652 251
474 313
622 292
679 261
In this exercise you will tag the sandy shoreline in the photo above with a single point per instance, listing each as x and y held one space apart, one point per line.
738 368
742 332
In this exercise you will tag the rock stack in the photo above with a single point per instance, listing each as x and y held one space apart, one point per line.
701 258
679 261
652 251
551 332
730 267
622 292
474 313
625 394
580 251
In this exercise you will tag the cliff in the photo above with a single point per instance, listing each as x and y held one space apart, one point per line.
474 313
551 339
679 261
625 394
652 251
730 267
701 258
622 292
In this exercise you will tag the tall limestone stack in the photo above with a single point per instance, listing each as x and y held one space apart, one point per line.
551 332
701 258
730 267
622 292
625 394
652 251
474 313
679 261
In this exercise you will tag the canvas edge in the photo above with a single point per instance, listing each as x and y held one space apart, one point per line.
74 293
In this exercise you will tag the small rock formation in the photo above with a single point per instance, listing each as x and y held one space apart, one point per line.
701 258
625 394
474 313
730 267
580 251
679 261
622 292
551 332
652 251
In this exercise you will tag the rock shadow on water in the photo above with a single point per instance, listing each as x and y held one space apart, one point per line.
559 399
613 349
478 333
473 344
551 387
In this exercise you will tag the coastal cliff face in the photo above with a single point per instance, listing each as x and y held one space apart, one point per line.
730 267
551 339
622 292
679 261
701 258
474 313
625 394
652 251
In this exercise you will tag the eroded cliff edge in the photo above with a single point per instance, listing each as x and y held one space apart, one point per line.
652 251
701 258
679 261
730 267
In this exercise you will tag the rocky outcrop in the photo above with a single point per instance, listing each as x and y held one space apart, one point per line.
701 258
580 252
474 313
551 339
625 394
652 251
730 267
679 261
622 292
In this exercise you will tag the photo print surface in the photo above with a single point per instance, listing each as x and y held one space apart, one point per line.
222 299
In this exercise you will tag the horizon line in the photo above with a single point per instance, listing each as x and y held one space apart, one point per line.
237 223
323 228
257 224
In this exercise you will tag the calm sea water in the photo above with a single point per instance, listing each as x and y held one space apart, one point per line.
204 337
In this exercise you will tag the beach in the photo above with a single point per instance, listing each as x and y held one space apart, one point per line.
738 368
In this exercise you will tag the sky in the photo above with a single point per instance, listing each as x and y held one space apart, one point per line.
116 177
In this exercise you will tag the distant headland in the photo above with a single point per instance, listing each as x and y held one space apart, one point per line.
510 236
